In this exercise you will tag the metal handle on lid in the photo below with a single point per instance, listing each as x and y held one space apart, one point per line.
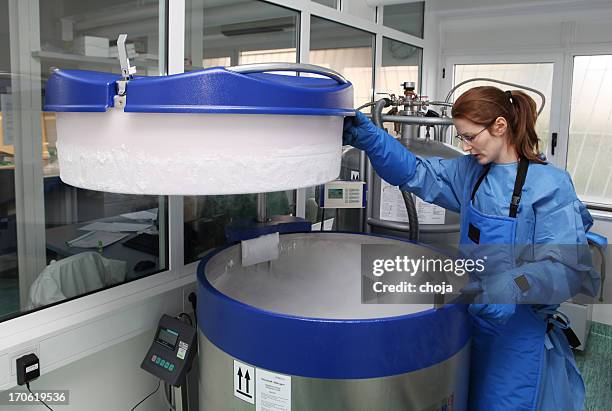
301 68
124 60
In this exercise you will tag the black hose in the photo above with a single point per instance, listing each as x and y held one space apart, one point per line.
413 220
377 112
368 104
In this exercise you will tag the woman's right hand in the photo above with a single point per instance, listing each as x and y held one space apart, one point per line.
392 161
360 132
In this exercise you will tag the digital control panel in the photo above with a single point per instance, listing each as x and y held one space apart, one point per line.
342 194
172 351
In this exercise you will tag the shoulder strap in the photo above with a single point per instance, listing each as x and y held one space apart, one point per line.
521 174
480 179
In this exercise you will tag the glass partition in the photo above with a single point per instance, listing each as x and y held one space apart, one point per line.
350 52
232 32
408 17
347 50
225 34
9 262
329 3
400 62
58 242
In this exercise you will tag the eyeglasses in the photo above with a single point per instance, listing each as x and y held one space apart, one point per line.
469 139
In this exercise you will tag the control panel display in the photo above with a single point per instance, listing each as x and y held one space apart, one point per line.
167 337
335 193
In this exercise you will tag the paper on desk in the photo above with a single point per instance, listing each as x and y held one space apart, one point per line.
142 215
115 227
96 239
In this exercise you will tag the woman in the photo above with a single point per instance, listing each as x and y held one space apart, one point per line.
522 213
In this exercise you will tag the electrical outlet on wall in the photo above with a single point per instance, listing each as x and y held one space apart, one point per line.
16 354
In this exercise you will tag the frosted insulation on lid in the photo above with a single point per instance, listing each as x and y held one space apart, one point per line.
214 131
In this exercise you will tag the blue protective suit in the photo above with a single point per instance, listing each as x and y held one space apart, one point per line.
519 361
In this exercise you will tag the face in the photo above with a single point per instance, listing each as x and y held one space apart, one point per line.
489 144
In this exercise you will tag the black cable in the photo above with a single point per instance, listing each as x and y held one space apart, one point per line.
408 200
145 398
193 299
43 403
185 315
322 218
336 220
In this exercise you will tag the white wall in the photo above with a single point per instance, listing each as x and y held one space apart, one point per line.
493 29
108 380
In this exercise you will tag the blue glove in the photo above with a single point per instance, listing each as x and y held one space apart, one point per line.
496 313
360 132
391 160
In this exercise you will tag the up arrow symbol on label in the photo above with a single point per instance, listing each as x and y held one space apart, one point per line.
247 378
243 391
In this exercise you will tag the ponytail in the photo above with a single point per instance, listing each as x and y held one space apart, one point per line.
524 136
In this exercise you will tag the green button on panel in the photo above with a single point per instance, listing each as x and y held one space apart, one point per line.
162 363
167 365
157 360
171 367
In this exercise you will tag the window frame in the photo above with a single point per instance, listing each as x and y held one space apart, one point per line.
578 51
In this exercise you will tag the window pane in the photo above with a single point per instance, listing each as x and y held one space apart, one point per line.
405 17
235 32
9 267
226 34
328 3
535 75
590 138
400 62
348 51
51 260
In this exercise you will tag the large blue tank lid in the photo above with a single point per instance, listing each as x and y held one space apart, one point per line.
213 90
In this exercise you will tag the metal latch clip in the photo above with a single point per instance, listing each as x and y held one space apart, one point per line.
127 72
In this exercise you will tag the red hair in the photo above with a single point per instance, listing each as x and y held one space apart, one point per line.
483 105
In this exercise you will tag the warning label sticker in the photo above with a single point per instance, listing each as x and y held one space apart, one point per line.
393 207
273 391
243 387
429 213
182 351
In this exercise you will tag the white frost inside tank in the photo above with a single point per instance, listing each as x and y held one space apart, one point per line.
197 154
316 276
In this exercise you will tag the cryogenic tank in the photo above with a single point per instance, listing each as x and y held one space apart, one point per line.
296 326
